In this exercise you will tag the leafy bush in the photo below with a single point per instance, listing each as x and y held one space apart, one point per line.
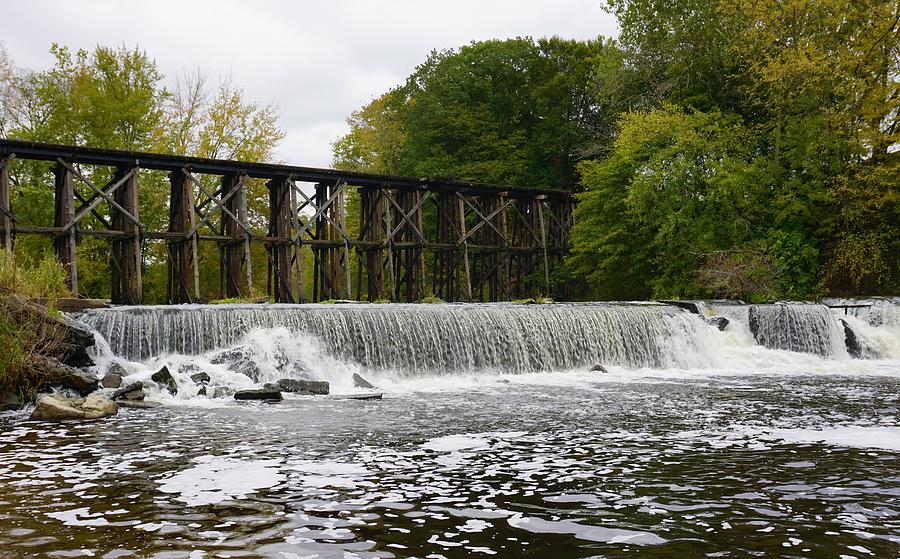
45 279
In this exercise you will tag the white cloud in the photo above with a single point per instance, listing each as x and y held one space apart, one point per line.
318 61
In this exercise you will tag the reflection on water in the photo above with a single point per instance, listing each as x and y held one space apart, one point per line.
709 467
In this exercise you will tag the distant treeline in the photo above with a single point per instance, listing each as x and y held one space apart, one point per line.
719 148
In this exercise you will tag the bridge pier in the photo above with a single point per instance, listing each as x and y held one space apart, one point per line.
64 222
6 215
278 247
183 273
236 275
127 284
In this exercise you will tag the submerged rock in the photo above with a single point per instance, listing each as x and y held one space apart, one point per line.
55 407
164 378
367 396
258 394
852 342
139 404
719 322
598 368
222 392
360 382
302 386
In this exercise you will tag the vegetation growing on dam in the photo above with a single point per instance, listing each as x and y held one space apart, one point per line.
718 149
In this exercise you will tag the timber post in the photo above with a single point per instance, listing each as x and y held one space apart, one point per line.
127 284
64 222
182 244
6 214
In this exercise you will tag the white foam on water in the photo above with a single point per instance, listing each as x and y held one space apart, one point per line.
216 478
582 532
886 438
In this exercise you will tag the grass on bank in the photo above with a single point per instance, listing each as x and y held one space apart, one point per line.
21 333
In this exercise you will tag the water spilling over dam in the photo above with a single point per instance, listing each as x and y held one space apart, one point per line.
432 338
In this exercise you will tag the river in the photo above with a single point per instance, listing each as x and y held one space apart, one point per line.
699 443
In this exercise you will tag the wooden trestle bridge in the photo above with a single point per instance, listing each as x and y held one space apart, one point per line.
415 237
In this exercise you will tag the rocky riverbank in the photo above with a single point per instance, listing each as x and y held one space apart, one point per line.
58 377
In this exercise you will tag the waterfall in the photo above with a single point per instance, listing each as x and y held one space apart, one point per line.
801 327
433 338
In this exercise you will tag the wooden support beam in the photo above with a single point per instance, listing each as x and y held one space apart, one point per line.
236 266
64 216
182 247
462 231
7 219
280 227
127 283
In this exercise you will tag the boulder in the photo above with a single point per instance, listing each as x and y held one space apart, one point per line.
96 406
598 368
851 341
63 375
258 394
111 380
719 322
360 382
302 386
56 407
202 391
164 379
200 378
222 392
131 392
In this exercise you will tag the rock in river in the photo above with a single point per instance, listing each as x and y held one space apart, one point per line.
301 386
719 322
63 375
259 394
164 378
56 407
598 368
360 382
131 392
200 378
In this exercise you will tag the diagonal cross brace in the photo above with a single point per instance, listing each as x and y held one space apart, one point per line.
405 220
319 212
95 200
100 192
217 204
485 220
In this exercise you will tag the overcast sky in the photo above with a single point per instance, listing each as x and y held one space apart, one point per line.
317 60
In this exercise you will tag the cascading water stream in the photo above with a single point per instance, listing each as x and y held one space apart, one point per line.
434 339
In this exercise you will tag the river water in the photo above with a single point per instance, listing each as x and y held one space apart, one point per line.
724 449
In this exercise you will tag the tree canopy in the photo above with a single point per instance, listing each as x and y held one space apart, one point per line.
719 148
